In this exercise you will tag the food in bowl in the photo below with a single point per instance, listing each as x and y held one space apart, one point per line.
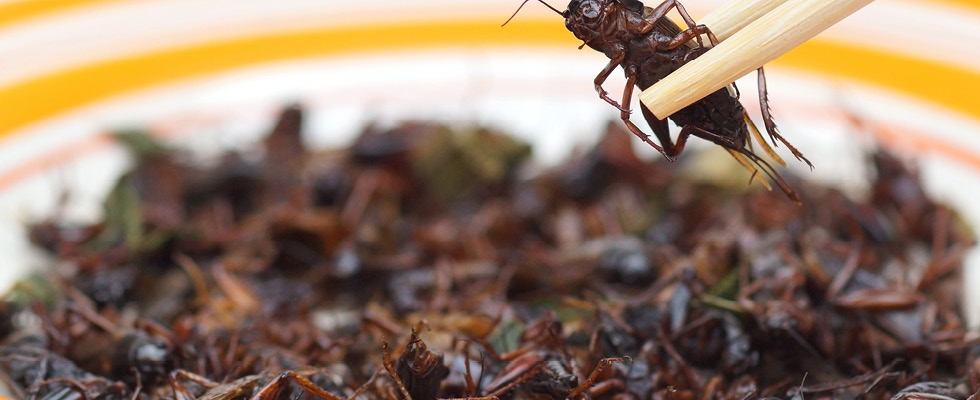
431 261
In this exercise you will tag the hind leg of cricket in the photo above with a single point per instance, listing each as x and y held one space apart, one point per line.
624 114
769 123
723 141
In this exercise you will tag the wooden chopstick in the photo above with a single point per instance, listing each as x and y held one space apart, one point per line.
724 21
776 32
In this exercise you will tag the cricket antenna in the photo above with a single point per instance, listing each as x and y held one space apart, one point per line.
522 6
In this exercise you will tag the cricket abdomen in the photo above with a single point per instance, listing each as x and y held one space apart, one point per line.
719 113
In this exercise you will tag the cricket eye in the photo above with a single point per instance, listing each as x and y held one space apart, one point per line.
590 11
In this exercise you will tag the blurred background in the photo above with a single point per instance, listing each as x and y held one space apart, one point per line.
211 74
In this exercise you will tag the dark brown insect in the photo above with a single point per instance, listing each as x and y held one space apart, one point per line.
649 46
256 387
540 368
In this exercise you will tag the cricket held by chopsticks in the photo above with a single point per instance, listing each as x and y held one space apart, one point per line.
683 81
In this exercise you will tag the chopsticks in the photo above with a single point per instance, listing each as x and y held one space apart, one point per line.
757 31
735 15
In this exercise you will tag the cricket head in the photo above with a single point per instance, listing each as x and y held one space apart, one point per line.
584 18
596 22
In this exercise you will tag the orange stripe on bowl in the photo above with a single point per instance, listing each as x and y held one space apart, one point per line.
24 10
975 4
28 9
54 94
949 86
50 95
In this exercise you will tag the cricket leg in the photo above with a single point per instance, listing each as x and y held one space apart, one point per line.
71 385
181 392
769 123
625 115
591 380
273 389
390 367
603 75
723 141
662 10
695 33
660 128
733 89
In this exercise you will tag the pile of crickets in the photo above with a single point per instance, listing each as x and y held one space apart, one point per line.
428 262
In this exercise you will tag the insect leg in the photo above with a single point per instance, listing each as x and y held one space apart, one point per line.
723 141
734 91
660 128
71 385
523 371
770 124
603 75
591 380
272 389
661 11
180 392
390 367
694 32
625 115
